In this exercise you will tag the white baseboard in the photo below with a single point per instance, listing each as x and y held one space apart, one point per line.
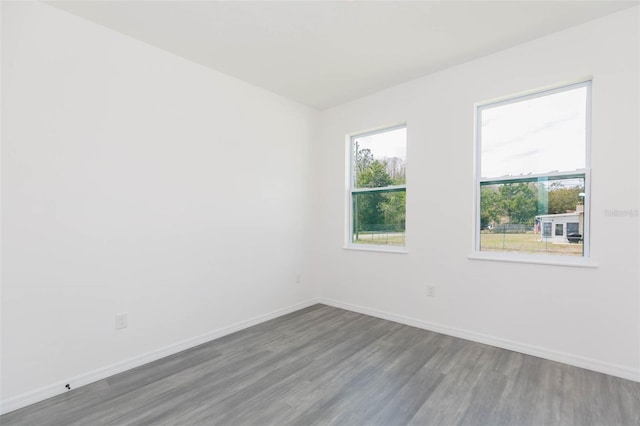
540 352
57 388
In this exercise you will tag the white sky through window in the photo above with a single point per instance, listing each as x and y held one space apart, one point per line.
537 135
392 143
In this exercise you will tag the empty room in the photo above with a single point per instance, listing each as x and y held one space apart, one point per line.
320 212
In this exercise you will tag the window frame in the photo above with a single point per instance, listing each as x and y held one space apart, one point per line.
351 190
585 259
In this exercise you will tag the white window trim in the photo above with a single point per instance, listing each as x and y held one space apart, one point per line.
350 190
578 262
583 261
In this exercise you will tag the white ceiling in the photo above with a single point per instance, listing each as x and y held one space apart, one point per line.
324 53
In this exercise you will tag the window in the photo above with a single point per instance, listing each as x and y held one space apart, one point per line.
377 188
533 174
573 228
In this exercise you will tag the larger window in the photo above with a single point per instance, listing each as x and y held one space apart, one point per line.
533 173
377 188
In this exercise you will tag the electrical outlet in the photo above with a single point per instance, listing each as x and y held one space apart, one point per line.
298 278
431 291
121 320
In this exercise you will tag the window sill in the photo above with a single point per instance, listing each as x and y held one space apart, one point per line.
576 263
375 248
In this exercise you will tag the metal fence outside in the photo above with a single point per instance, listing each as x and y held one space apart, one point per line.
512 228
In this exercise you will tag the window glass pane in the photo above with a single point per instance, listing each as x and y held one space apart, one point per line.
528 215
537 135
379 159
379 217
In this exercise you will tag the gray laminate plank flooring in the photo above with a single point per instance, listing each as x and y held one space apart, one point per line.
323 365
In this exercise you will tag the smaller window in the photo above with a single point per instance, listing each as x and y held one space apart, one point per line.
546 229
559 229
378 188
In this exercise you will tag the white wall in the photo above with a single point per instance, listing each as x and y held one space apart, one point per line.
135 181
588 317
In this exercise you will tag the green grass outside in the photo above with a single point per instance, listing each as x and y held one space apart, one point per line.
380 238
526 243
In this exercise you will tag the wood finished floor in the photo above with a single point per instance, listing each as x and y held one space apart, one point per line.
323 365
